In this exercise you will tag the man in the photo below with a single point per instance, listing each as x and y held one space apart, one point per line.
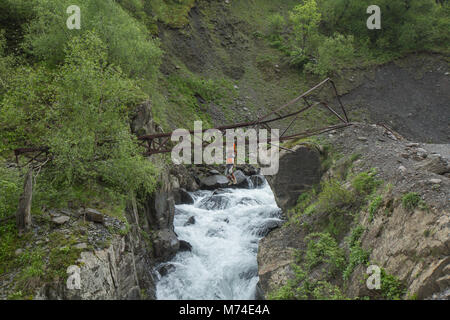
231 154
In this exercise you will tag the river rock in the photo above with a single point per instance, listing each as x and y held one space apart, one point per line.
165 244
215 202
185 246
258 181
181 196
241 180
190 221
213 182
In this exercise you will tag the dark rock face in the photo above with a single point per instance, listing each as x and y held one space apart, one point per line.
258 181
190 221
185 246
93 215
213 182
165 244
299 171
183 197
265 229
241 179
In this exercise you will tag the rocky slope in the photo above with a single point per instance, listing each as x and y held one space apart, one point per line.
401 224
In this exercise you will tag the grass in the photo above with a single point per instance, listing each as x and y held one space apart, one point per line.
411 201
374 205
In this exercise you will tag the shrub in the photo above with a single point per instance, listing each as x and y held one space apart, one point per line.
128 43
276 24
374 206
391 287
411 200
333 54
334 197
365 183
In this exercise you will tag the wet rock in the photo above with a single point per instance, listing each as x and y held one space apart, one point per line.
185 246
248 202
166 269
190 221
165 244
268 226
213 182
213 172
258 181
215 202
241 180
181 196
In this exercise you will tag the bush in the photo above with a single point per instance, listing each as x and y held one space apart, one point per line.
411 200
365 183
276 24
128 43
333 54
81 113
373 206
10 189
334 197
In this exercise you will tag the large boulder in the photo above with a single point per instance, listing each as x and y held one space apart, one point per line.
181 196
215 202
214 182
165 244
299 171
241 180
257 180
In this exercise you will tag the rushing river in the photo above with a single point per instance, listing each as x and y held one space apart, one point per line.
224 239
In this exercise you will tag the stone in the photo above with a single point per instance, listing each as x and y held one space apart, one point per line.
94 215
165 269
81 246
190 221
165 244
435 164
412 145
241 180
60 220
214 182
181 196
363 139
298 172
435 181
18 252
213 172
185 246
258 181
402 169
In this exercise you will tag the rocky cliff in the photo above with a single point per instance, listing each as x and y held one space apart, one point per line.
383 201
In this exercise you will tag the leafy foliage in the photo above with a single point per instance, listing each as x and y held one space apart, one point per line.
128 44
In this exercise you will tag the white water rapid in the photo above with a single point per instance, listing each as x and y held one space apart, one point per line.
224 239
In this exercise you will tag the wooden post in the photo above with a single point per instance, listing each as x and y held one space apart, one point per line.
23 214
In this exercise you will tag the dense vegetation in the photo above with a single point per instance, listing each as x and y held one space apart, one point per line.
325 36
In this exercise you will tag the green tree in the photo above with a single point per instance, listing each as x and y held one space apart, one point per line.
128 43
305 19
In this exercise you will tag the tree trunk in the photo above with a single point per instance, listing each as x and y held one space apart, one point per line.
23 215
